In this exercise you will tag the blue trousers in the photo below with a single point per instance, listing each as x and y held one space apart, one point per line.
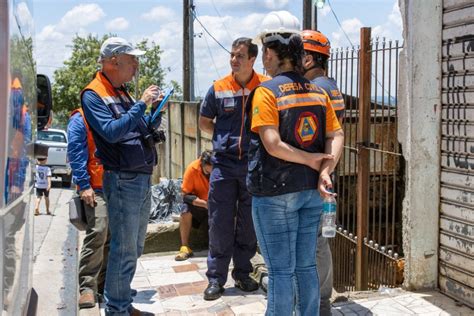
231 231
128 197
286 227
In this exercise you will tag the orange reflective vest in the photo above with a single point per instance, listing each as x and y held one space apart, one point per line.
94 166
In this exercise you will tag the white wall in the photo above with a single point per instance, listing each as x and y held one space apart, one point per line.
419 133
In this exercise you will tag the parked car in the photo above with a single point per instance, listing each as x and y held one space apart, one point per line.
56 140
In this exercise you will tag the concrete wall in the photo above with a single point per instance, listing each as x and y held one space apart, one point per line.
419 133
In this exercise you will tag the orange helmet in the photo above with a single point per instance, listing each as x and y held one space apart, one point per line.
315 41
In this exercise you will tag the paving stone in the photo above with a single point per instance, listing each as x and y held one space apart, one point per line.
175 289
160 263
185 268
256 308
187 289
221 309
200 312
174 278
225 312
390 307
424 308
140 282
167 291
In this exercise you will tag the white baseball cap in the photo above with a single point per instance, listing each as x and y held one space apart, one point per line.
114 46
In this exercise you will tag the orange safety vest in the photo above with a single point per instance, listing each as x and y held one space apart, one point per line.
94 166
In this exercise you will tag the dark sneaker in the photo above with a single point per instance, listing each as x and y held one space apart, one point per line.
247 284
213 291
87 300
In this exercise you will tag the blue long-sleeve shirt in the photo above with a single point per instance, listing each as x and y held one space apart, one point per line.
110 131
78 151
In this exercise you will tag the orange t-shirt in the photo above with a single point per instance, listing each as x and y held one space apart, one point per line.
194 181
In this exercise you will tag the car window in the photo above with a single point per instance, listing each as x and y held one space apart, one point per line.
51 136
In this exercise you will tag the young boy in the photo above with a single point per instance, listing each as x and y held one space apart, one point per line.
42 184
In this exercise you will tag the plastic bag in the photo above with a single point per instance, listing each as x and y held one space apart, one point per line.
166 200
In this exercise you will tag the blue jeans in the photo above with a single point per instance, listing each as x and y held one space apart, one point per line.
286 227
128 197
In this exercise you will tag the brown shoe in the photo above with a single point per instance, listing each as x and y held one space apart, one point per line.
136 312
87 300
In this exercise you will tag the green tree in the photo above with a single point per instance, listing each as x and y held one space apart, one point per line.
80 68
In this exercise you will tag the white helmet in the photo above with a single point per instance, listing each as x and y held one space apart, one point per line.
278 22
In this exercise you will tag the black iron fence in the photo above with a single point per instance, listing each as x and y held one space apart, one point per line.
370 195
376 204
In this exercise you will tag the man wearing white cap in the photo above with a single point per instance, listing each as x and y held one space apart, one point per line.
125 147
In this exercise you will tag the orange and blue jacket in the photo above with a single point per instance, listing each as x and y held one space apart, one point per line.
329 85
225 101
87 170
118 125
303 114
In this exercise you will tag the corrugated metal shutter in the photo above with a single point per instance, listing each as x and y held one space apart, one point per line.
456 251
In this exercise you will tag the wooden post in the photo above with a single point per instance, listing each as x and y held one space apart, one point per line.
363 161
183 139
188 43
168 141
198 131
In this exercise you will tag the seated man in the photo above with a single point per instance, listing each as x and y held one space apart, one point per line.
195 190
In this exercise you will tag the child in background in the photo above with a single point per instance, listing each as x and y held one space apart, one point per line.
42 184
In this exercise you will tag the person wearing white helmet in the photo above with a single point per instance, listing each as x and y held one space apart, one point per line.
295 142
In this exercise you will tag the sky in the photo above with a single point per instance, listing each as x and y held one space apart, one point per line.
58 21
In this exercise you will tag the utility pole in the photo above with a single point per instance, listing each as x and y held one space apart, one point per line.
310 15
188 51
307 12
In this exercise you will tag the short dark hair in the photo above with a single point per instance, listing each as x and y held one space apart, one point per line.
206 157
252 48
293 51
320 60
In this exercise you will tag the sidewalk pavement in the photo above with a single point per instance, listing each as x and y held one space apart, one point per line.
168 287
55 257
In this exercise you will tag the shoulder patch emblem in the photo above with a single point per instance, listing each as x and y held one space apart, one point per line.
306 129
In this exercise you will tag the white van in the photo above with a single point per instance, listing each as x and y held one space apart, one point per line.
56 140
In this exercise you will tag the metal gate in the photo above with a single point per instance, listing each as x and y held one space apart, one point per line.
369 179
456 258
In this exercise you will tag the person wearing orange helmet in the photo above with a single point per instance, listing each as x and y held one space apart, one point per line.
317 48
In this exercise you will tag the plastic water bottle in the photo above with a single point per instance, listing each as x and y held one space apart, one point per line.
329 217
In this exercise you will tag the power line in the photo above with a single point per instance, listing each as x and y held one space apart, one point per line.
212 57
347 37
219 14
193 10
339 23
